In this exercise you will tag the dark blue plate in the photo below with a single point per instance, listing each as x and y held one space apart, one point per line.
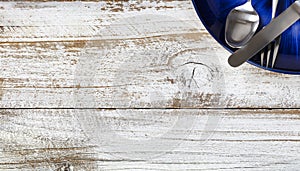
213 15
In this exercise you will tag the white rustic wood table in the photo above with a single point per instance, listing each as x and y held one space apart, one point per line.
135 85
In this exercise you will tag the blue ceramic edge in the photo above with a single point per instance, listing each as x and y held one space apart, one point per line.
274 70
199 16
252 63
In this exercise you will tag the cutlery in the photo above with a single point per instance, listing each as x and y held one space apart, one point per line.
241 24
273 47
277 26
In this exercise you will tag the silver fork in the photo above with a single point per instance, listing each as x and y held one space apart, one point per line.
273 47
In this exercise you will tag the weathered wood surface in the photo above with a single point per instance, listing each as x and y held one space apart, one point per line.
84 85
44 47
244 140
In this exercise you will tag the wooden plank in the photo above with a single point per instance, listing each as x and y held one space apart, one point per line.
46 139
154 56
53 53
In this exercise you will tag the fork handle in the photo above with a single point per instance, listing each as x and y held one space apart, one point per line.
274 8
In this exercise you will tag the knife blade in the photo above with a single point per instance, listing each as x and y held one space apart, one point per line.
266 35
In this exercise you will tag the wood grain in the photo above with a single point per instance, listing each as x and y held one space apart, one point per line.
45 139
135 85
43 45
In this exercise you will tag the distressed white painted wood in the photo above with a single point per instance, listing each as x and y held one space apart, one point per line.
44 45
137 85
243 140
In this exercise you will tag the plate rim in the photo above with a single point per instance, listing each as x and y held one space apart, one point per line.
229 50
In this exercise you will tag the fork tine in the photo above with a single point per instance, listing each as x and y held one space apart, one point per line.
269 54
262 56
276 48
272 47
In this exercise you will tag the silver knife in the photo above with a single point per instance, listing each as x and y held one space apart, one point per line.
266 35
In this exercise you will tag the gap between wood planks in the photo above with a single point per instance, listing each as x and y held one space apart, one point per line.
134 108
